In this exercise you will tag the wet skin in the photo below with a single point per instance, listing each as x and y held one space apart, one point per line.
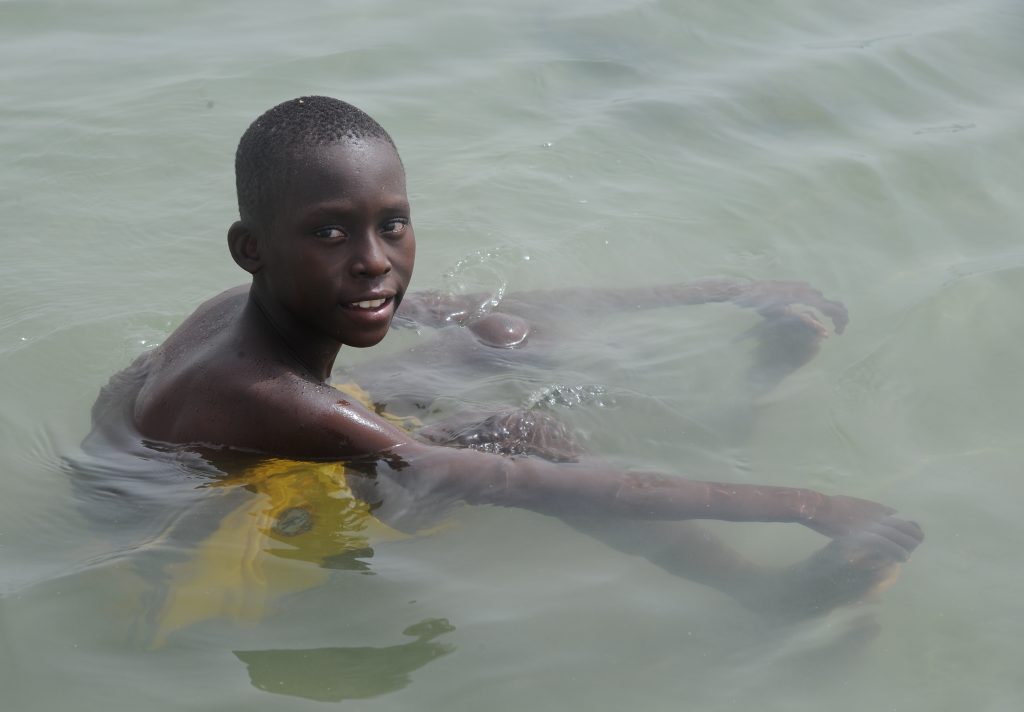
249 369
342 236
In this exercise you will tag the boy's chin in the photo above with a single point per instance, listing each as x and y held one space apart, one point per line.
364 340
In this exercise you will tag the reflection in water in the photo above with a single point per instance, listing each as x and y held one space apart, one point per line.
335 674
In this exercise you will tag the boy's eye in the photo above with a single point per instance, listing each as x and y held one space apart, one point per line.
395 227
329 233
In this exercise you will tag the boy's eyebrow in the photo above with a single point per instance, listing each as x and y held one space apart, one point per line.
394 203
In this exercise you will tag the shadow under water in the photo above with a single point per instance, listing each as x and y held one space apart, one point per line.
334 674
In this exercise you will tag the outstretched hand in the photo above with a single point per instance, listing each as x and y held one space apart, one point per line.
869 523
775 299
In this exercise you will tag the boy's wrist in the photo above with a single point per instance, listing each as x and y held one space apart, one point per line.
810 506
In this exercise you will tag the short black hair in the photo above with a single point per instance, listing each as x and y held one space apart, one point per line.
283 133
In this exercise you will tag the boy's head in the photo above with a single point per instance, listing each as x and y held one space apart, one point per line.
271 148
325 225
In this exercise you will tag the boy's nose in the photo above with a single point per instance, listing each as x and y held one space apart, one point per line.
372 261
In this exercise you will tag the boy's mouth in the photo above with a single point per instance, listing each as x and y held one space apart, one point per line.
369 304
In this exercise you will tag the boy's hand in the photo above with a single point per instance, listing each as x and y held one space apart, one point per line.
774 299
868 522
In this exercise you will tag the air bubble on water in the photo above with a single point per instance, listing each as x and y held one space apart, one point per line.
483 273
574 396
548 144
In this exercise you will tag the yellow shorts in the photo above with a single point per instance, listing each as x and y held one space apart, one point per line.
299 520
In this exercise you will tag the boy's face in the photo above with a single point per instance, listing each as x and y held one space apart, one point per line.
338 254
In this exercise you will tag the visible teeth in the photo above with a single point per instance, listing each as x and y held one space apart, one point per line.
372 304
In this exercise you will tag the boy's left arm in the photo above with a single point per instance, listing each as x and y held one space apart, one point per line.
771 298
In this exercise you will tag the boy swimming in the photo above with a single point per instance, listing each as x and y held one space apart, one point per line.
325 231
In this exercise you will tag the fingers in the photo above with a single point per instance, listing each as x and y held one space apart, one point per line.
892 537
773 297
873 547
836 311
911 530
810 322
787 322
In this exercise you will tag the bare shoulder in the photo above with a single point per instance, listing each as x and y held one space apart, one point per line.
305 419
220 379
193 376
262 406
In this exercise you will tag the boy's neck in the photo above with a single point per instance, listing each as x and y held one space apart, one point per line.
311 355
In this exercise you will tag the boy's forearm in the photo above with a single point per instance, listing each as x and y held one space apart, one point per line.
593 488
600 299
437 309
597 489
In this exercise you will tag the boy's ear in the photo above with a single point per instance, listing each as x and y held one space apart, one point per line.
245 247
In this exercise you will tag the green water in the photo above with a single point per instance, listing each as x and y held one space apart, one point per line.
872 148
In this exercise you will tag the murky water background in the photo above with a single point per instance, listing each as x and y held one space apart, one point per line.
872 148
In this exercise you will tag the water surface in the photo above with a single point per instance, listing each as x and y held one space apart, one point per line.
871 148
